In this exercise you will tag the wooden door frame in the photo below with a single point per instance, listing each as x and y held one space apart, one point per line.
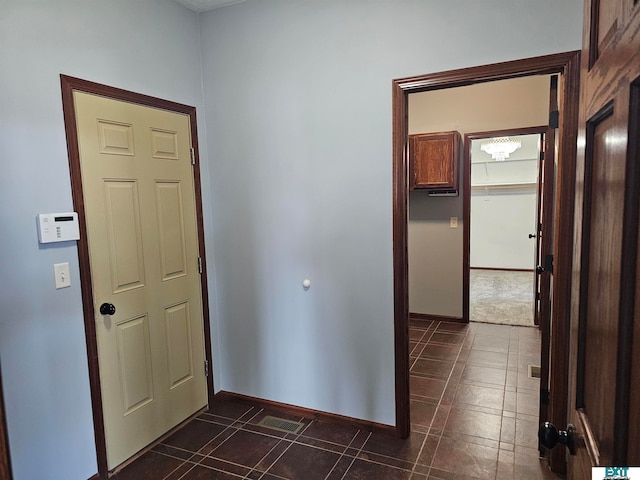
567 64
5 456
70 85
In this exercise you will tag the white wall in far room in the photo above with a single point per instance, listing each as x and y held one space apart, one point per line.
504 206
501 221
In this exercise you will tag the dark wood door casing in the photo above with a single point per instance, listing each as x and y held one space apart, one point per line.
68 86
5 457
537 255
565 64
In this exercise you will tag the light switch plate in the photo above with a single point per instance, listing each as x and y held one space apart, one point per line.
453 222
63 277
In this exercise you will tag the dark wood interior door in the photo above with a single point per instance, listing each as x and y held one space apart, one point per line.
545 245
546 214
537 235
605 293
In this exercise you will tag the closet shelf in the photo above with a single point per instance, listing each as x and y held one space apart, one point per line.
502 186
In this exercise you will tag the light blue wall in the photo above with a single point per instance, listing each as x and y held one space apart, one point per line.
298 174
149 46
298 104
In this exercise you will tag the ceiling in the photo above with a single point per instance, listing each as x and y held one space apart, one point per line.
205 5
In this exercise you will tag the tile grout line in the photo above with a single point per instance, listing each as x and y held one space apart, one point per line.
425 343
418 343
356 456
342 455
227 427
424 442
504 398
437 408
184 462
193 454
515 417
501 416
291 442
382 464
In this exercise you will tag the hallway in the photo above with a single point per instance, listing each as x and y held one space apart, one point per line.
473 412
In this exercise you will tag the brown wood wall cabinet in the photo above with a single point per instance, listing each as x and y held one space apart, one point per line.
434 161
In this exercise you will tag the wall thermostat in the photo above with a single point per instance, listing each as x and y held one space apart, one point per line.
58 227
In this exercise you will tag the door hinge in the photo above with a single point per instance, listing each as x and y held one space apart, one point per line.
537 296
554 119
206 368
544 396
199 264
193 156
540 226
541 155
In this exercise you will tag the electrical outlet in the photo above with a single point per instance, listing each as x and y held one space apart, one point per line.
453 222
63 277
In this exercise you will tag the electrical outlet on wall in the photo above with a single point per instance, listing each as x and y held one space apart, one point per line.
453 222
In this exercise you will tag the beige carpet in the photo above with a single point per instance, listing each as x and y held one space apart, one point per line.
498 296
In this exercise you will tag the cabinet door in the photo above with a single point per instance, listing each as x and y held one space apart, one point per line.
434 159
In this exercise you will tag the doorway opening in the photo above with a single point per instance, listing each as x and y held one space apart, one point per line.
505 202
437 227
565 64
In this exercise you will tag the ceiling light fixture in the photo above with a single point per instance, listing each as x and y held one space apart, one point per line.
500 147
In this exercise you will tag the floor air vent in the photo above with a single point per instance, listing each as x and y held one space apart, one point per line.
534 371
280 424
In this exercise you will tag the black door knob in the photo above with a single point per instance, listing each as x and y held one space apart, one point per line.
549 436
107 309
532 235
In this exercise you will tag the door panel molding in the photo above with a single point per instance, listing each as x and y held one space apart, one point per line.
588 437
566 64
630 269
629 283
586 427
69 85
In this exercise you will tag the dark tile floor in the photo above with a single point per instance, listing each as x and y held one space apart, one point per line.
474 415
